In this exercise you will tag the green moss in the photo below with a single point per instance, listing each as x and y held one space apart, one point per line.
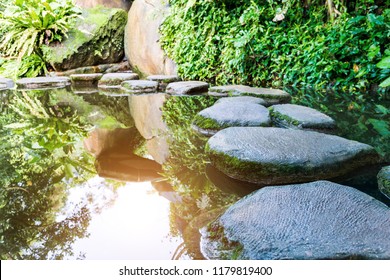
100 31
207 123
282 119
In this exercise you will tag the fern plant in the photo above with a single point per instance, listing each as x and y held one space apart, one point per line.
26 25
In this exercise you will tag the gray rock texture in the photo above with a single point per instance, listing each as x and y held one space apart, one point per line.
43 82
228 114
142 38
297 116
85 79
273 96
116 79
243 99
384 181
140 86
282 156
163 80
95 39
6 83
187 87
318 220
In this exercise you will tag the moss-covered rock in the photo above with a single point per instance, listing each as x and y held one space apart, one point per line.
384 181
97 38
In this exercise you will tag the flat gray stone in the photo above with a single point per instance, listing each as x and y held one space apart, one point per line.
297 116
163 80
43 82
228 114
281 156
318 220
116 79
273 96
384 181
92 78
243 99
140 86
6 83
187 87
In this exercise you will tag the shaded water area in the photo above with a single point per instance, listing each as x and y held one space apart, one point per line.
98 176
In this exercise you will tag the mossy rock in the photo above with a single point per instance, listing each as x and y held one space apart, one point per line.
384 181
97 38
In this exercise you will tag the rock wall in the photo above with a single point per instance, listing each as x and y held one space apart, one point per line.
142 46
123 4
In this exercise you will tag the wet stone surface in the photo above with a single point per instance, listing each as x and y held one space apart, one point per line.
188 87
318 220
115 79
281 156
6 83
243 99
163 80
297 116
229 114
43 82
272 96
140 86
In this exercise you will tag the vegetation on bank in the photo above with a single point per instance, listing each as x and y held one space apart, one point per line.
26 27
275 43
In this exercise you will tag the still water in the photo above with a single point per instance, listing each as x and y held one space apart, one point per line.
93 176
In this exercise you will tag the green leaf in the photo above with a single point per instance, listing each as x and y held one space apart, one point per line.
384 63
385 83
380 126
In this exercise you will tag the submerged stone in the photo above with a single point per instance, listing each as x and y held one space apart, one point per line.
43 82
243 99
384 181
116 79
318 220
140 86
228 114
97 38
273 96
280 156
297 116
163 80
187 87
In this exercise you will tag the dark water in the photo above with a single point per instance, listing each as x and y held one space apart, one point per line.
92 176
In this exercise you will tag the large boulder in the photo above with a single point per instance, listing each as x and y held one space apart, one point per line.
384 181
281 156
97 38
142 37
123 4
318 220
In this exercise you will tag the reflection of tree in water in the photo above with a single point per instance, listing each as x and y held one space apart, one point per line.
185 171
41 157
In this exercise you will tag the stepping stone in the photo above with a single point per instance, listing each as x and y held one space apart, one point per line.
6 83
116 79
273 96
228 114
384 181
318 220
243 99
300 117
43 82
163 80
188 87
140 86
281 156
86 79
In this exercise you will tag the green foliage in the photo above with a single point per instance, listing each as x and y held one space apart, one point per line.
385 64
28 25
276 43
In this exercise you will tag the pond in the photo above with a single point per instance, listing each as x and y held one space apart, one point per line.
94 176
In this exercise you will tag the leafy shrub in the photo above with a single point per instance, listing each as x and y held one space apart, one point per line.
278 43
26 26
